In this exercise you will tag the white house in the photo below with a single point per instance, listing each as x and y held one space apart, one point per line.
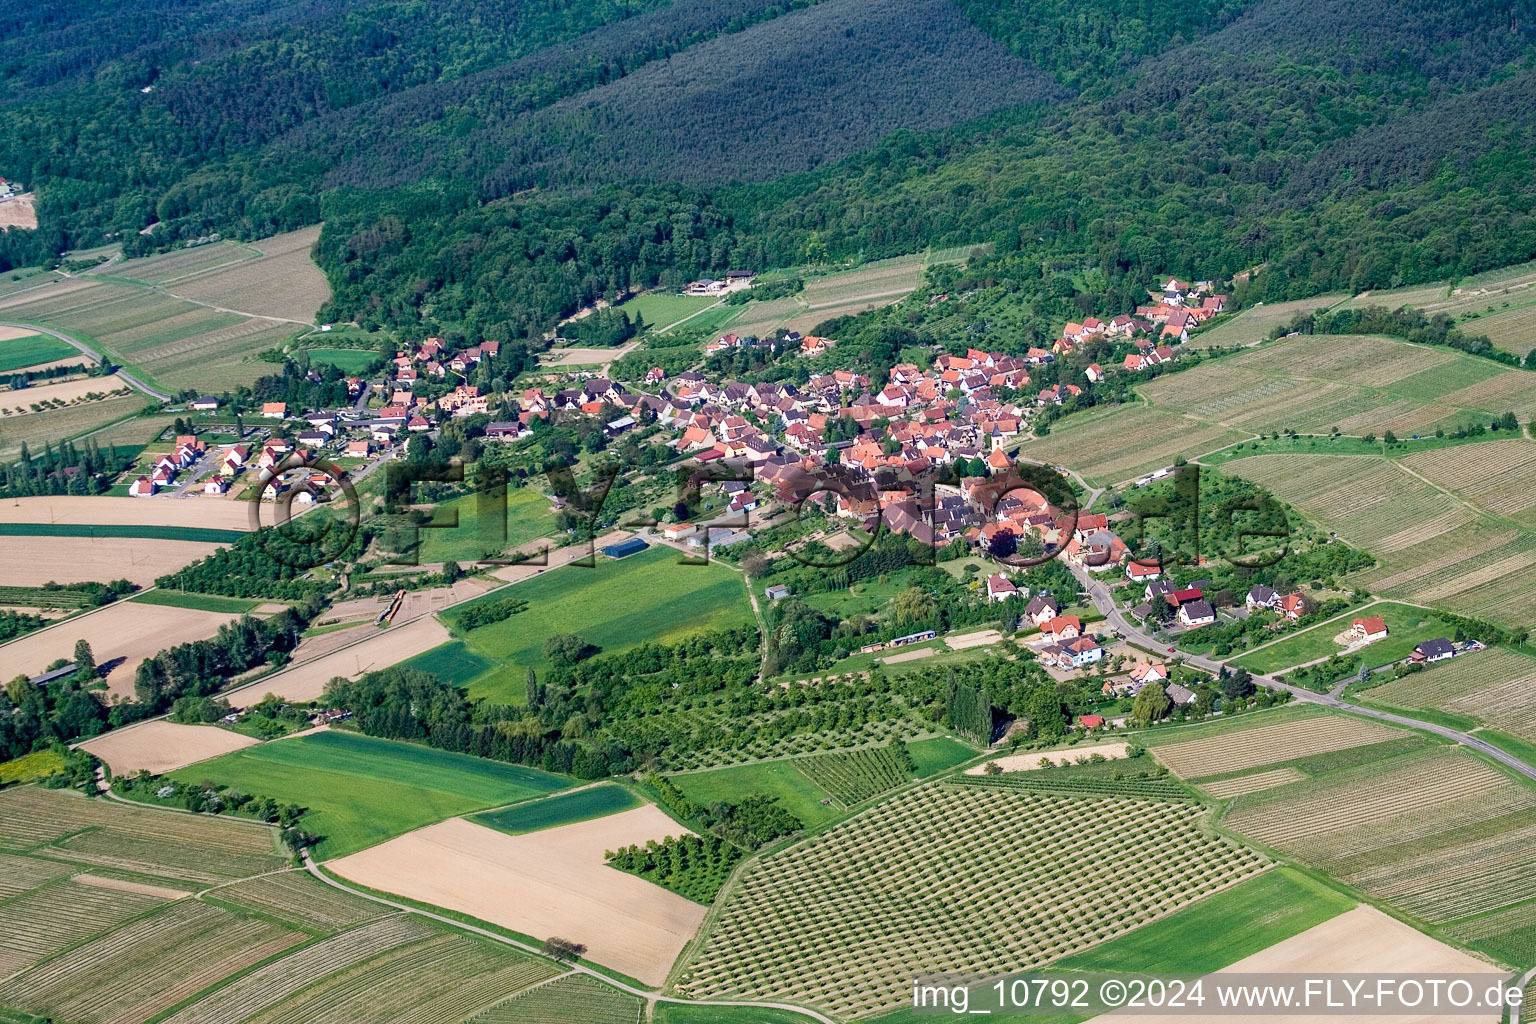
1000 588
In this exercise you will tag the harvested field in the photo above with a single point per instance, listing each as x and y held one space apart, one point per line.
163 746
277 981
982 894
1436 832
1363 941
33 561
1495 686
281 282
1031 762
1116 444
190 512
551 882
382 649
1258 781
1513 330
19 212
121 635
1269 744
896 659
300 897
18 402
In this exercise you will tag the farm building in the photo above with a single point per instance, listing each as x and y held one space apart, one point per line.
777 592
207 403
625 548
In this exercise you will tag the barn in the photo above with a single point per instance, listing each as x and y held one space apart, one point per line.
625 548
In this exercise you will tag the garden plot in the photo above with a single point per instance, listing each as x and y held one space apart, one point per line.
1496 687
1010 882
551 882
1242 749
162 746
1436 832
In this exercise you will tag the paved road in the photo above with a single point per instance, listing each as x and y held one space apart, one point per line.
1104 601
127 377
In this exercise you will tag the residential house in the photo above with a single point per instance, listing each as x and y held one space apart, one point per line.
1196 613
1138 572
206 403
1041 610
1292 606
1260 596
274 410
1062 627
1368 629
1433 650
1000 587
143 487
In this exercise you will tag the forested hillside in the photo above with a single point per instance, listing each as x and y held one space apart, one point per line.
493 179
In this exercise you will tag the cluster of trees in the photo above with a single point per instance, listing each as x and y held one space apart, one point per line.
70 468
274 562
753 821
13 624
200 667
603 328
1408 324
483 613
36 717
968 710
210 798
24 378
692 866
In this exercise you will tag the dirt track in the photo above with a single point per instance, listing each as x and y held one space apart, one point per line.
552 882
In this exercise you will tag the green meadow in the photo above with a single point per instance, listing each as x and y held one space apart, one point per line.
566 809
199 602
452 662
799 795
938 754
616 606
38 348
361 791
529 516
194 533
661 309
347 360
1406 627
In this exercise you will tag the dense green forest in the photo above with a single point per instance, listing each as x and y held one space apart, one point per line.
494 166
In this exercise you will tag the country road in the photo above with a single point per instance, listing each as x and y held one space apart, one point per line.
128 377
1104 601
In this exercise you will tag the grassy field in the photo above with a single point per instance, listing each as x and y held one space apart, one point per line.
565 809
1254 323
1406 627
362 791
679 1013
1496 687
616 606
929 899
201 602
1433 546
661 309
529 516
16 353
347 360
938 754
30 767
783 779
1435 832
452 662
189 533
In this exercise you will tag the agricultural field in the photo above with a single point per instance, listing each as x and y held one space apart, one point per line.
361 791
565 809
1114 444
301 899
854 776
30 767
177 343
18 349
781 778
163 746
954 899
34 559
81 391
577 999
1497 477
452 662
274 277
529 516
36 428
1241 750
98 835
1254 323
122 635
646 597
937 754
552 882
1513 330
1359 385
843 293
1496 687
1406 627
369 650
1437 832
1432 547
